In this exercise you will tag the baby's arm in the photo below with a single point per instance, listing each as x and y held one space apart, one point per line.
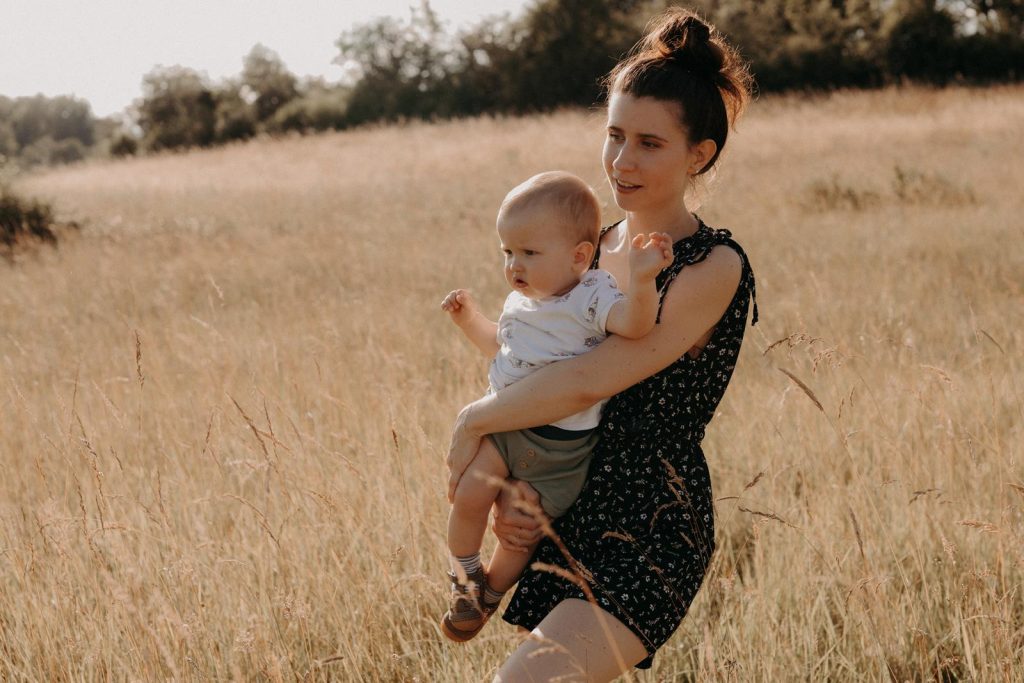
633 316
463 311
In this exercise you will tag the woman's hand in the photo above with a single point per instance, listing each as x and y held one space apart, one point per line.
463 448
516 529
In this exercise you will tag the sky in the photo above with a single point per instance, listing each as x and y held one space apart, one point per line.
99 50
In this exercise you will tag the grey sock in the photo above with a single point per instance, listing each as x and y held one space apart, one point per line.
491 596
470 563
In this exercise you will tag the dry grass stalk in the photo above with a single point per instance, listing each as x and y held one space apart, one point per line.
303 274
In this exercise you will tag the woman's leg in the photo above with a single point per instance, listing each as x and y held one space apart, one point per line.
577 641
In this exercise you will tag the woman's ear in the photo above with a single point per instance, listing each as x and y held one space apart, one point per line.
701 153
583 254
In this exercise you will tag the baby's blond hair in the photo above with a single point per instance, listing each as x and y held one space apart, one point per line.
570 201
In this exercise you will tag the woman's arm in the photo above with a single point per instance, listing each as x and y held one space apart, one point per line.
515 529
695 302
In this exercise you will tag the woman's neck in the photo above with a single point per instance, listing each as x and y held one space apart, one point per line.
675 220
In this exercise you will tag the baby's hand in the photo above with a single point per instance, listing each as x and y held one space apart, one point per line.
460 306
649 255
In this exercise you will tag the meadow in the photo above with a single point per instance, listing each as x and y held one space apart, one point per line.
225 401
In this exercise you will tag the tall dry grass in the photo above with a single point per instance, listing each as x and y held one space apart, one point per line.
224 405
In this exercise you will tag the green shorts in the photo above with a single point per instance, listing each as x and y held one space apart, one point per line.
557 468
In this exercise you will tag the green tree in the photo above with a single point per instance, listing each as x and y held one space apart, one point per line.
921 42
266 76
992 17
30 119
177 109
60 118
235 118
567 46
990 38
805 43
401 67
487 57
8 142
71 118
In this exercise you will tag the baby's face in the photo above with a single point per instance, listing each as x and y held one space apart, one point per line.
540 259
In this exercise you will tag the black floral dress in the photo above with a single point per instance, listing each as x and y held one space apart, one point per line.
642 531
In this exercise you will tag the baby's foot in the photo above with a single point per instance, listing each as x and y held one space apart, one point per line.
467 611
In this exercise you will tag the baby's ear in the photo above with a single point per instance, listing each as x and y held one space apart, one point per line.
584 253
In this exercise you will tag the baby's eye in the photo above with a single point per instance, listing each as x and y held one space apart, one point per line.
529 252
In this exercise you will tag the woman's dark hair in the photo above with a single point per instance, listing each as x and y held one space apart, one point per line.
684 60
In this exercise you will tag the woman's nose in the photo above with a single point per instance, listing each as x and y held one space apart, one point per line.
623 160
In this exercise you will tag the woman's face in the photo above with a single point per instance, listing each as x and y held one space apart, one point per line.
648 157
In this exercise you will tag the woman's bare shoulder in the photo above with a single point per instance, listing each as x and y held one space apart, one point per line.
707 286
726 257
721 267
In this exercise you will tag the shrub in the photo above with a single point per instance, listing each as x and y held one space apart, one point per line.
316 111
123 145
911 186
66 151
835 194
37 153
22 220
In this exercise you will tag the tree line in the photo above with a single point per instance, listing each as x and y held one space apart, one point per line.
556 53
552 55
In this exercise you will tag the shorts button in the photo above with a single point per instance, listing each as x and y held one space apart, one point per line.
530 453
523 464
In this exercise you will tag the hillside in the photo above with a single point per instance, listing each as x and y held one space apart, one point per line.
225 402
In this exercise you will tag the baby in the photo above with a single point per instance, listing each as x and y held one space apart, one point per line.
559 307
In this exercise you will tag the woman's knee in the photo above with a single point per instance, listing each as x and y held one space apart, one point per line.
576 641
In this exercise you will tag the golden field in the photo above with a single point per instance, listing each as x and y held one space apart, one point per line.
225 402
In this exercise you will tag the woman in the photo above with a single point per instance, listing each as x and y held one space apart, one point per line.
633 550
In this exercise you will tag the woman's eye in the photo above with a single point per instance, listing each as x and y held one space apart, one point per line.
615 136
650 145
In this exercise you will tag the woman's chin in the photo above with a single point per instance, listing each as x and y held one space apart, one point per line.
626 201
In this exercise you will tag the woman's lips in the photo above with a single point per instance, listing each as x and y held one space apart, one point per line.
626 188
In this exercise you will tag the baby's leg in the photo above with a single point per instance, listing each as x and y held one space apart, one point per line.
474 495
506 567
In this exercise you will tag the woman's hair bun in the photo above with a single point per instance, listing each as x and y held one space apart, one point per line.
685 39
693 29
